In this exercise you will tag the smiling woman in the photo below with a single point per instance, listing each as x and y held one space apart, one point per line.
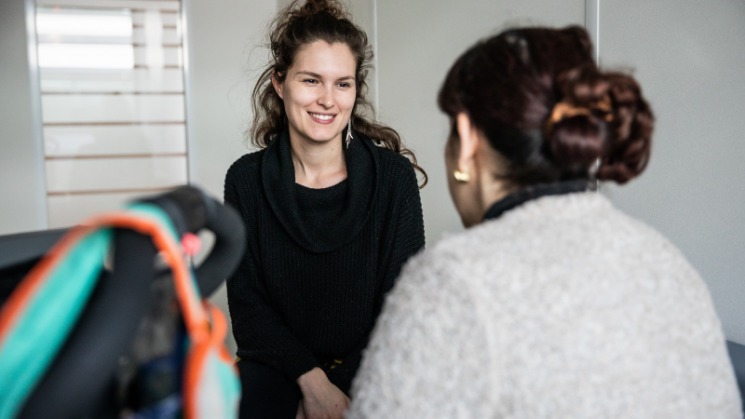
332 211
319 94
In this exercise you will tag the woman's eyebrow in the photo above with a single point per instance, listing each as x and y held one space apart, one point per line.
318 76
308 73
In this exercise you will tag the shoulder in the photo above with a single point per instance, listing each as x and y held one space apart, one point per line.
428 324
387 158
540 236
450 263
248 163
431 302
437 274
561 240
242 180
393 162
395 172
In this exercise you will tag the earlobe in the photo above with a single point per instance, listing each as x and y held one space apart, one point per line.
277 85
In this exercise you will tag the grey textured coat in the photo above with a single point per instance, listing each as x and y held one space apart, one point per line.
563 307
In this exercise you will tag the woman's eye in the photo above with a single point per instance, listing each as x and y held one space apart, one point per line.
345 84
310 81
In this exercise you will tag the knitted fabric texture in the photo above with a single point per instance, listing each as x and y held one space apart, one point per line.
563 307
302 298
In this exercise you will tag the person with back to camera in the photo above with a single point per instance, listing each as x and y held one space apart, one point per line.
552 303
330 218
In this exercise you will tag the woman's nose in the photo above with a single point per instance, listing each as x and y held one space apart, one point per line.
326 98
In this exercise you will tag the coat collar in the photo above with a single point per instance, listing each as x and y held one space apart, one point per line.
529 193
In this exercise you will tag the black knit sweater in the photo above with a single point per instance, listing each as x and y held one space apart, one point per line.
318 262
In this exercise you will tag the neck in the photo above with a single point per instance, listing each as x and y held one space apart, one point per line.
490 188
491 191
318 165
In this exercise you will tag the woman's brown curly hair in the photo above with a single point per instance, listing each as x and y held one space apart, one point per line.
299 24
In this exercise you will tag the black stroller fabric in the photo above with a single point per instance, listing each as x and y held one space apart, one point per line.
140 346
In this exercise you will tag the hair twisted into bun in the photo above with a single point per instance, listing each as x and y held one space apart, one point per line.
314 7
315 20
609 120
539 98
630 141
299 24
576 130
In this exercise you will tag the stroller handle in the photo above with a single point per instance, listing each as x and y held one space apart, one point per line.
191 210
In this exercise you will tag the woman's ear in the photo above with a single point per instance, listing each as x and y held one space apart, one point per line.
469 141
277 85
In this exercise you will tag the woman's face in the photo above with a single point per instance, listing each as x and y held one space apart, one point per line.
319 92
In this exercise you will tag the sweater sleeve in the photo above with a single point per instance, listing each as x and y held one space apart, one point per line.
406 240
428 355
260 333
408 237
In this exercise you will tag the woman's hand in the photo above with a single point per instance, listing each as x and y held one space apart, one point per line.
300 411
321 398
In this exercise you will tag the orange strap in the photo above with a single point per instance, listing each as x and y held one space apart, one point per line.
194 317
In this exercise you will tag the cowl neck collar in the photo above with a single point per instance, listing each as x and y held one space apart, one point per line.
278 180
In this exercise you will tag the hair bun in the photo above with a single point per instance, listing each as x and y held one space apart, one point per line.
577 127
631 139
314 7
600 115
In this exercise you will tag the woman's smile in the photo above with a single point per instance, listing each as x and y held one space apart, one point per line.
319 92
322 118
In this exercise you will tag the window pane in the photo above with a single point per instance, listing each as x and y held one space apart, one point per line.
108 108
114 140
86 56
111 174
109 81
112 103
65 26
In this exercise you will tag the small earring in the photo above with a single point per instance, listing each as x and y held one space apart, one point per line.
461 177
349 137
593 174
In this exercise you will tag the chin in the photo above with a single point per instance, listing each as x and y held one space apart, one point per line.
324 137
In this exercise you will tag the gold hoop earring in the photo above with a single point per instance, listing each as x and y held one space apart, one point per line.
461 177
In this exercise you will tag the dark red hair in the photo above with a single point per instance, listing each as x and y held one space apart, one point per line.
543 104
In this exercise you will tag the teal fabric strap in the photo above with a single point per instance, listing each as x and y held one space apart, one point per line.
50 315
42 329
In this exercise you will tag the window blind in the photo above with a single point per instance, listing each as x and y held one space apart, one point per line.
113 102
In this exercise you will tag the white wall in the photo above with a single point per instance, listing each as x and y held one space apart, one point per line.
689 57
224 41
225 53
22 192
